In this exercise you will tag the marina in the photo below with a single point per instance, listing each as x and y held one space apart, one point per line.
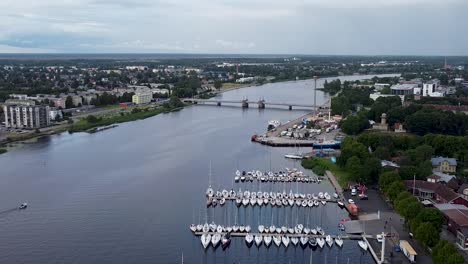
78 202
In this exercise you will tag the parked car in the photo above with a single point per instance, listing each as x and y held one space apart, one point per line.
353 191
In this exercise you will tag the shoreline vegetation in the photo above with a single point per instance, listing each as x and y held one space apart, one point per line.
92 123
2 150
320 165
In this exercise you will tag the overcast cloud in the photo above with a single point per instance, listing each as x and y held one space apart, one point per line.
355 27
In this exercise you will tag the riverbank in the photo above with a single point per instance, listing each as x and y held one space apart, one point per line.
91 124
2 150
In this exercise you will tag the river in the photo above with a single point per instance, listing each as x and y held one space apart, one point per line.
128 194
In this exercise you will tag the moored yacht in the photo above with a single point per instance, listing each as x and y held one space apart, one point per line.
339 241
329 240
205 240
258 240
277 240
249 240
267 240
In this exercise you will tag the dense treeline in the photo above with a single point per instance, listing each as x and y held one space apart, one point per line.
110 99
425 223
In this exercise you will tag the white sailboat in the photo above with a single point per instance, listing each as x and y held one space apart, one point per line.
304 241
294 241
339 241
261 228
285 240
249 240
193 228
277 240
329 240
267 240
206 240
320 242
215 239
258 240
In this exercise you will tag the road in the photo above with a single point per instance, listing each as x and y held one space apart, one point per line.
390 222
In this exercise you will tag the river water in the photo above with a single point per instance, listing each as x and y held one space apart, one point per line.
128 194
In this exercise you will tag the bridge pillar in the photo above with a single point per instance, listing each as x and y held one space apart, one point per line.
245 103
218 103
261 104
290 107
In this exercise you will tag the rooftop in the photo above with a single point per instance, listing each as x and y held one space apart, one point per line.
405 86
437 160
443 191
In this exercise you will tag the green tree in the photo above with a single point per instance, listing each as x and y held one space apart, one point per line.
371 170
387 178
382 153
218 84
431 215
394 189
340 106
92 119
354 167
427 234
69 102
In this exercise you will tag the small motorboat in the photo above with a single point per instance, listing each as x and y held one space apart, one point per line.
362 244
313 242
293 156
226 241
23 206
335 195
340 204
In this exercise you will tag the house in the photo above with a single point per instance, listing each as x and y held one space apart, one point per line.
463 190
435 192
399 128
441 177
445 165
457 222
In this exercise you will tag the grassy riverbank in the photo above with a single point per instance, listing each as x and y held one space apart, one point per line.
91 122
320 165
2 150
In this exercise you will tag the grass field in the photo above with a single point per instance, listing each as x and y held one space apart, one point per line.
320 165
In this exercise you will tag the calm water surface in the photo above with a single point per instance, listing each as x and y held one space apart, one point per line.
127 195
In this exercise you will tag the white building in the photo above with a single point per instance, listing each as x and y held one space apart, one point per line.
55 114
431 89
403 89
142 97
17 116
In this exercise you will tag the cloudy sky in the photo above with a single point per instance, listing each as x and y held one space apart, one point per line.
354 27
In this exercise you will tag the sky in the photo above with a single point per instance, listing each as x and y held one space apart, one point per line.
315 27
